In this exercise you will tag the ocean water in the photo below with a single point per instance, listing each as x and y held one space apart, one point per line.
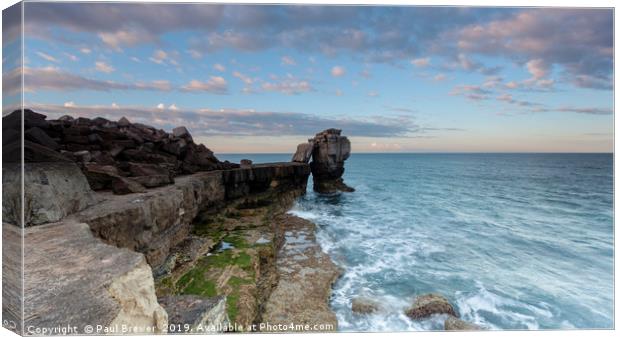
514 241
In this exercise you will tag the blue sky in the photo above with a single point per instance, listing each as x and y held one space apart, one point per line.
264 78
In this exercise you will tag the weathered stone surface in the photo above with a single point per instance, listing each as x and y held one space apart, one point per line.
203 315
123 122
122 185
363 305
75 279
430 304
156 221
328 156
51 192
181 132
304 152
100 176
453 323
306 275
153 180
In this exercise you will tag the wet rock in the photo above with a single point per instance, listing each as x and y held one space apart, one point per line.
430 304
453 323
306 275
304 152
199 313
363 305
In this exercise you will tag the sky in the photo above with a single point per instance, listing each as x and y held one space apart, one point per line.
263 78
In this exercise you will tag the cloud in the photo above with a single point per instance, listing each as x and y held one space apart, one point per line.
219 67
117 39
246 79
104 67
337 71
159 56
248 122
289 61
579 110
372 94
578 40
439 77
47 57
421 62
507 98
289 86
85 50
69 104
57 80
215 84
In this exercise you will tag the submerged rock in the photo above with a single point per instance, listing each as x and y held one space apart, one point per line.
453 323
430 304
363 305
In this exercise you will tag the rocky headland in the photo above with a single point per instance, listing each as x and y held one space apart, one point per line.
128 225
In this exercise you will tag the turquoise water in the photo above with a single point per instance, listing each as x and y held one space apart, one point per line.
515 241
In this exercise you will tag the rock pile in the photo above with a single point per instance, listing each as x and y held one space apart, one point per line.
118 155
328 150
427 305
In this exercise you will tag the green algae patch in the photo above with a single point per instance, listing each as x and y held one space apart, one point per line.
232 300
194 283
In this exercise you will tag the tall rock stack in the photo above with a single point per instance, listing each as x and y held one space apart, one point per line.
328 150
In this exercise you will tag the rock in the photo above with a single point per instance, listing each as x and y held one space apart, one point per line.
430 304
453 323
66 118
51 192
304 152
33 153
153 180
125 186
82 156
94 138
202 315
76 279
144 169
123 122
39 136
100 177
181 132
362 305
306 275
246 163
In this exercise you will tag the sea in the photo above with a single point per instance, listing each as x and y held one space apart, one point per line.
514 241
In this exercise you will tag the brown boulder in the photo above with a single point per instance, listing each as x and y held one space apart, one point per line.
125 186
430 304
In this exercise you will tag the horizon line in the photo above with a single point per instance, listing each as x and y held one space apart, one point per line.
430 152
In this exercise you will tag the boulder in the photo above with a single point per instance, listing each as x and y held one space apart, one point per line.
100 177
51 192
153 180
429 304
123 122
453 323
363 305
182 132
122 185
145 169
39 136
200 315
